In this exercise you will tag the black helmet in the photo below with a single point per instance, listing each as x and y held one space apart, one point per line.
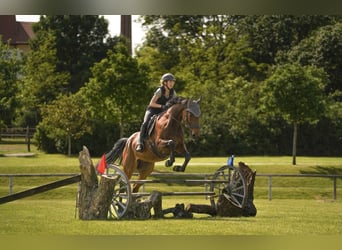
168 77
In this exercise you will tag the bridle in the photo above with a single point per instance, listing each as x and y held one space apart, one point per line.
186 115
187 119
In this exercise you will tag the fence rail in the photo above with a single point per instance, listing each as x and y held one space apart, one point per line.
329 176
197 175
12 176
18 133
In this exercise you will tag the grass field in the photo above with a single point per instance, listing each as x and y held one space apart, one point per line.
278 217
300 206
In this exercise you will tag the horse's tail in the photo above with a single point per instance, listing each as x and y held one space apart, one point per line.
116 152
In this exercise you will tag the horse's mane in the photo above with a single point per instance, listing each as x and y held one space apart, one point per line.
174 100
192 106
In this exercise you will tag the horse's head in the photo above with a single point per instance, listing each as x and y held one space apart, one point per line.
191 116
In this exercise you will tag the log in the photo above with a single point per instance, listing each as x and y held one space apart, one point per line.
179 212
201 209
94 198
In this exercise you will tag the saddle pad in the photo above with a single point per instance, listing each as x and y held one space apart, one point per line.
151 125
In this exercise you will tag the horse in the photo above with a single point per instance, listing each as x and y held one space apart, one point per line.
165 138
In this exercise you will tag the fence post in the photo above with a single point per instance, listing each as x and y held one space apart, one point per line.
28 139
270 187
335 192
10 184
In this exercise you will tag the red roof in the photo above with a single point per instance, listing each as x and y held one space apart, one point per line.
17 32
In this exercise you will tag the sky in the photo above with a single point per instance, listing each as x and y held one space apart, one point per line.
114 26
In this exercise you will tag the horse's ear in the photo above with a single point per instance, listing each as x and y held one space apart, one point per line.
198 100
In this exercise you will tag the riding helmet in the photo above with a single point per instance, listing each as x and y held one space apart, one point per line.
168 77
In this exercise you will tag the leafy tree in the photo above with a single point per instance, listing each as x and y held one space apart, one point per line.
81 40
118 90
296 93
41 83
66 118
213 62
225 58
322 48
220 75
10 68
271 34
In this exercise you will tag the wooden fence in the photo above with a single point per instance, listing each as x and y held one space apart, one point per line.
23 134
198 175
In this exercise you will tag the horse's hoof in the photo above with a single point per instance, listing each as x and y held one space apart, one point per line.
178 169
168 163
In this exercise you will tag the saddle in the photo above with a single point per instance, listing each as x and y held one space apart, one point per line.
151 125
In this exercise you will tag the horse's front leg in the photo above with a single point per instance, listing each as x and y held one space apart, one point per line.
170 161
187 158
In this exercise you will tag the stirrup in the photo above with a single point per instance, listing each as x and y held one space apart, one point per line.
139 148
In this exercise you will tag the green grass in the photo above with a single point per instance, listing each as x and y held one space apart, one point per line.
278 217
300 206
9 145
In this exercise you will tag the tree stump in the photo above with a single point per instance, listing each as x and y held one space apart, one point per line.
249 209
156 201
94 198
141 209
224 207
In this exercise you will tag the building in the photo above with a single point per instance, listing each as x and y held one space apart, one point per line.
16 33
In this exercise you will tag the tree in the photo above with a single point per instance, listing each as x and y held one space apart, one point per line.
118 90
41 83
271 34
296 93
323 48
66 118
10 69
210 59
225 58
81 40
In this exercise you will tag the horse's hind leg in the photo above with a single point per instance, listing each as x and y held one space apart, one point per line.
144 169
129 160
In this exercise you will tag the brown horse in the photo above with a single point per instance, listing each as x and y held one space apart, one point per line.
165 140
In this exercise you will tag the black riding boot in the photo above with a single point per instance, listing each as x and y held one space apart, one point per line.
140 145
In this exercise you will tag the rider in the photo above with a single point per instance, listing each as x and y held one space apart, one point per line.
157 104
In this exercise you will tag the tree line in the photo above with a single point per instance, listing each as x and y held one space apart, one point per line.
270 84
